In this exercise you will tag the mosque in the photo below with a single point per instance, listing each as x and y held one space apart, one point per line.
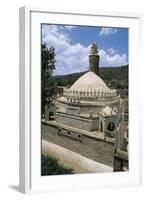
89 118
89 104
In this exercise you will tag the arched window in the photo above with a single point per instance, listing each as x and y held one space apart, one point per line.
111 126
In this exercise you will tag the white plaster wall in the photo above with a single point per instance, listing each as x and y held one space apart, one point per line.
80 164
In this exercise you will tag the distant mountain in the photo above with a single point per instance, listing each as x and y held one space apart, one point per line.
116 77
110 73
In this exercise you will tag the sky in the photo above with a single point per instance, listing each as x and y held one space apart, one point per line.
72 46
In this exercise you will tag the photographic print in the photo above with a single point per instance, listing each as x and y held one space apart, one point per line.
79 101
84 99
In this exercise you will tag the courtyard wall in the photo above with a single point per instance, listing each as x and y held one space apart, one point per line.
93 148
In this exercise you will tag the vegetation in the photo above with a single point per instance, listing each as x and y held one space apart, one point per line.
47 82
115 77
52 166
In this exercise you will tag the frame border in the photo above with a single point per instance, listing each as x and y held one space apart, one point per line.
25 85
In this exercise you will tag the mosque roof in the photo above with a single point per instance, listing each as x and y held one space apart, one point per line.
89 82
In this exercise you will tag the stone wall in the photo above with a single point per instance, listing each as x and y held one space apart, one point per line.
88 124
73 121
90 147
121 161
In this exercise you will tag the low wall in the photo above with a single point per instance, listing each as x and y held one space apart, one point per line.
78 163
77 121
90 147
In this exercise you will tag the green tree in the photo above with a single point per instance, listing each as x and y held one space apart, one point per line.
47 81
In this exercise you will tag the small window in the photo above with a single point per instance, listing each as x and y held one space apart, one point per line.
68 132
101 127
51 115
79 136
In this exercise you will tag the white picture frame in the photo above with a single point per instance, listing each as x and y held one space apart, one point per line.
30 139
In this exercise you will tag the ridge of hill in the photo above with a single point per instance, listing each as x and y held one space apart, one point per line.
115 77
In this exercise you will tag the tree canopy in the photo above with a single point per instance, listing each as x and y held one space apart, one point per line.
47 82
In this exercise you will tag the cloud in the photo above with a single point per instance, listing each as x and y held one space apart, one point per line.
111 51
107 31
69 58
68 27
108 60
73 58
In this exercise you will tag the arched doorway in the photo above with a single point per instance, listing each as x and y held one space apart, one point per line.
111 126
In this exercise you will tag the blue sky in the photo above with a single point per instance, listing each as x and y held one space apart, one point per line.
72 45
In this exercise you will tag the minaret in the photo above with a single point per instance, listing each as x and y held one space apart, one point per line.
94 59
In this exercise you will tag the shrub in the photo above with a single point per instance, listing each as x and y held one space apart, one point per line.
52 166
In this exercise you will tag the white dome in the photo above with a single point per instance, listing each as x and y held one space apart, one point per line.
91 82
107 111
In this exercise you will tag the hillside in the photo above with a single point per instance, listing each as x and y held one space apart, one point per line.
115 77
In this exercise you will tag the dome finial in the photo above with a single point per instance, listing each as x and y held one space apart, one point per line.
94 49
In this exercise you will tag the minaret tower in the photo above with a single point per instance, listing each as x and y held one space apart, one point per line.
94 59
